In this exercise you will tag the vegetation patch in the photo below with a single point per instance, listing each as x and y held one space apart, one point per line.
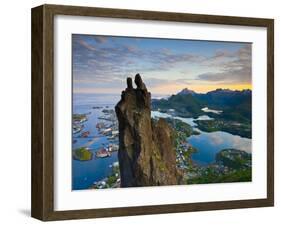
235 128
82 154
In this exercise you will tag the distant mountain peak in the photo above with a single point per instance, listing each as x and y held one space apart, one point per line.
186 91
246 91
225 91
222 90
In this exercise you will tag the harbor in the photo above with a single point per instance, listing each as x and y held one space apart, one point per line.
95 146
95 129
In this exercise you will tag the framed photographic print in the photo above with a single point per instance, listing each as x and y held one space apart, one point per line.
141 112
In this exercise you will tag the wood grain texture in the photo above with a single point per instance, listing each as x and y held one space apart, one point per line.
43 108
37 158
270 111
42 113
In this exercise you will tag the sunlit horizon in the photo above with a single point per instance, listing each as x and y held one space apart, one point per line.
203 90
101 64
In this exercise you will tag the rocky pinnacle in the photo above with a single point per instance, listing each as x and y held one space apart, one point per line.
146 153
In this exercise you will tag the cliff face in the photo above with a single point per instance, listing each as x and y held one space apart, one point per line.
146 153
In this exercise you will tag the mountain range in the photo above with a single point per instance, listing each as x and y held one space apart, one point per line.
186 91
235 105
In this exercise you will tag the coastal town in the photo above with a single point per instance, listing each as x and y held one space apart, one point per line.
107 126
229 164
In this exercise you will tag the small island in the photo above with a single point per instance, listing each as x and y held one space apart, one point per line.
82 154
79 118
77 123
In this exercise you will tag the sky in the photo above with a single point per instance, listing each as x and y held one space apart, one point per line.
101 64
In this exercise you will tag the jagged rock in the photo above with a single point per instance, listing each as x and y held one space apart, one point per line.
129 83
139 82
146 153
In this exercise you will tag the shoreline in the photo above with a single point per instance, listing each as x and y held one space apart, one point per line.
189 121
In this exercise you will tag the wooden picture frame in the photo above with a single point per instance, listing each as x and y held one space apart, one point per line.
43 112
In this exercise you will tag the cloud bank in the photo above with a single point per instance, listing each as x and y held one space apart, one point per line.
103 62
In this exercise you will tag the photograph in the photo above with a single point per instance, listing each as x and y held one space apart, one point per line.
138 112
158 111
